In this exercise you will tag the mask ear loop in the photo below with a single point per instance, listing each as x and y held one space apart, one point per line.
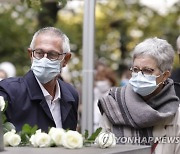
162 82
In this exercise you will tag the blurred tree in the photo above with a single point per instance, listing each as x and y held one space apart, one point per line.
47 16
39 4
120 25
17 24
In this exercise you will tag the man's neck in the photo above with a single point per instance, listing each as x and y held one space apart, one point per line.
51 87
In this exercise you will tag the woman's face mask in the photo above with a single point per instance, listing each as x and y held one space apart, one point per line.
45 70
143 84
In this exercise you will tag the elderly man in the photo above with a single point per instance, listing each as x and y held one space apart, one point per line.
40 98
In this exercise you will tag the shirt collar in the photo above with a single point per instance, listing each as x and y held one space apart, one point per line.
46 93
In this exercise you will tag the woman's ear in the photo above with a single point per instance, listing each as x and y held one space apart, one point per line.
166 75
66 59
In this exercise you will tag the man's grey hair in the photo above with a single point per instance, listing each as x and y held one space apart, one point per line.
53 31
158 49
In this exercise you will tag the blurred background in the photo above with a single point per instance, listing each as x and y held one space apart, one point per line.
120 25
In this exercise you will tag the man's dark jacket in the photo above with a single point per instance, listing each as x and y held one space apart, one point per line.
27 104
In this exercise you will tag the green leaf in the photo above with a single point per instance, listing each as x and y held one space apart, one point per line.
34 129
4 118
27 129
8 127
86 134
24 139
26 133
95 134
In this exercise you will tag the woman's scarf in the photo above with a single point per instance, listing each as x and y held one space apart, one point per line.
125 109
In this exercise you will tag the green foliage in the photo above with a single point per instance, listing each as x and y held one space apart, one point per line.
17 25
119 26
7 126
37 4
90 139
26 133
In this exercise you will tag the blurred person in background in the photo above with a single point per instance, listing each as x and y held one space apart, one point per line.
147 107
176 73
124 74
8 68
3 74
39 97
104 79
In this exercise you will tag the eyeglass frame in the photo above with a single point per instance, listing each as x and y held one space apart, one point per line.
142 70
59 54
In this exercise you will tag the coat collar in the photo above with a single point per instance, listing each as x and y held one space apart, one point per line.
35 94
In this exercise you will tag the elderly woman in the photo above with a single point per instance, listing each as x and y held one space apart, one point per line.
146 111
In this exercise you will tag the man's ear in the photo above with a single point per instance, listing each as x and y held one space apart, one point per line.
66 59
29 53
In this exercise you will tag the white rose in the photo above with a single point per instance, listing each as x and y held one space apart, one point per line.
72 139
14 140
105 140
11 139
33 141
56 135
2 103
40 139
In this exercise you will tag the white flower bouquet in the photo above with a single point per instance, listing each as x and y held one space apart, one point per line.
32 136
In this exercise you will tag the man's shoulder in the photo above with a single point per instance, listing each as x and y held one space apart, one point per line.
11 81
16 80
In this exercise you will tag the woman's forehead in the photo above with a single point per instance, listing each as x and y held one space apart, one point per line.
145 61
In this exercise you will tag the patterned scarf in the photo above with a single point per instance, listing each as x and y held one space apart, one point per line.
128 112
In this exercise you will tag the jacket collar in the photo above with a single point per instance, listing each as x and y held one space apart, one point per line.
36 94
33 87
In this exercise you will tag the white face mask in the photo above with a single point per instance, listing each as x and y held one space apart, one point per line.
143 84
45 70
103 85
124 82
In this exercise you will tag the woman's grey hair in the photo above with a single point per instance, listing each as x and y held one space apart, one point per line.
52 31
160 50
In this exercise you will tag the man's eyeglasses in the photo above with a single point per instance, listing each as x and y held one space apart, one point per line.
51 55
145 71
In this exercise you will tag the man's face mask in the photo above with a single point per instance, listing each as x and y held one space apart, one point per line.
143 84
45 70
